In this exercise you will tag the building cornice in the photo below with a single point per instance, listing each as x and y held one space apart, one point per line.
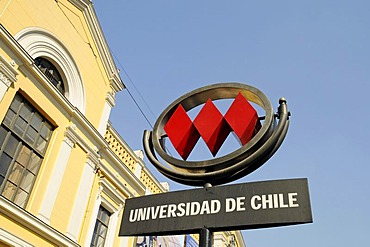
87 8
120 171
137 159
29 221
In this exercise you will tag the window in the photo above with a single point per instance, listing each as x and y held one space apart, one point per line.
40 43
51 73
24 137
101 228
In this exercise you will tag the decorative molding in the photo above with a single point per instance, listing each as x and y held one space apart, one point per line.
5 79
70 136
9 238
109 104
139 161
26 65
111 190
140 154
110 99
39 42
93 160
123 172
7 72
29 221
100 190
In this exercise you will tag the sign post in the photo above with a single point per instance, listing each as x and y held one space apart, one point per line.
217 207
205 235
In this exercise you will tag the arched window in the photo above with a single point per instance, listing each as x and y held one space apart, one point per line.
46 49
51 72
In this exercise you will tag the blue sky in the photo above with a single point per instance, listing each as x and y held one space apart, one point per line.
316 54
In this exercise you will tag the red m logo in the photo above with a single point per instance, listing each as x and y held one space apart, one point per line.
212 126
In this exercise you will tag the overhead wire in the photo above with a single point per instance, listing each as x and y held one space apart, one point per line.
133 98
131 95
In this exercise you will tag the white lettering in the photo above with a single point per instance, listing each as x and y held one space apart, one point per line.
267 201
292 199
133 215
276 201
215 206
163 211
181 210
240 203
194 208
154 212
187 208
254 203
270 201
141 214
205 208
230 205
171 210
281 201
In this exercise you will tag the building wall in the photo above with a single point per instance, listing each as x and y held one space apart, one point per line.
79 172
87 166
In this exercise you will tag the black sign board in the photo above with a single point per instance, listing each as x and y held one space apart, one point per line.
221 208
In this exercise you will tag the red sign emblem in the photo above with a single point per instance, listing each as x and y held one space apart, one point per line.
259 140
212 126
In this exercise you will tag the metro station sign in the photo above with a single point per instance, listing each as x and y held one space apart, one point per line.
221 208
217 207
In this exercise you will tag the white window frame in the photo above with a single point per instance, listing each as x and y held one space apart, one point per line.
39 42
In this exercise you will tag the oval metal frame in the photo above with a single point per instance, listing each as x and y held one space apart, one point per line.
231 166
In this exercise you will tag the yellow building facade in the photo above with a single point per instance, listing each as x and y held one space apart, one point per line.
65 172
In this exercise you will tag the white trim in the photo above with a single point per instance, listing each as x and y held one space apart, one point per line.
239 238
39 42
124 241
138 170
82 198
110 192
9 238
87 8
57 176
109 104
7 76
110 99
112 227
29 221
219 239
94 215
139 161
125 174
8 71
4 85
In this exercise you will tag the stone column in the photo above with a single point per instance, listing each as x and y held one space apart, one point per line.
83 195
57 176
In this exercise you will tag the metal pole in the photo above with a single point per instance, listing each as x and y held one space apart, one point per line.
205 236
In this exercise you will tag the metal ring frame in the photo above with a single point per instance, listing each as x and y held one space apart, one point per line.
232 166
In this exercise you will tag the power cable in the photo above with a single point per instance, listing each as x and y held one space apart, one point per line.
132 97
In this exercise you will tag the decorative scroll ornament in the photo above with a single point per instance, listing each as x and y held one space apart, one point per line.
258 141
